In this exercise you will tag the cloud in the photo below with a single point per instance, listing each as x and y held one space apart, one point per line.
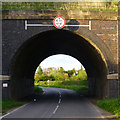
65 61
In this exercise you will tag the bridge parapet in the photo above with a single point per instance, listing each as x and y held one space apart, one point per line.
51 14
103 34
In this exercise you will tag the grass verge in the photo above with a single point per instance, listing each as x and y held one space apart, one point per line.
38 89
110 105
79 89
9 104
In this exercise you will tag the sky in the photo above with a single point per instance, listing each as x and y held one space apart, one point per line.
60 60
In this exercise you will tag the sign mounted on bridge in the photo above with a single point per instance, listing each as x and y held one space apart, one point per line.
5 85
59 22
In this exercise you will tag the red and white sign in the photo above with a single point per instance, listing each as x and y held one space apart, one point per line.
59 22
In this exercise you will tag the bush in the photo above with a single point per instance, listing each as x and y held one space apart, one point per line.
82 75
45 83
38 89
67 82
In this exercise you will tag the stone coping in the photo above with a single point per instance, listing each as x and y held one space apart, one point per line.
4 77
51 14
109 77
112 76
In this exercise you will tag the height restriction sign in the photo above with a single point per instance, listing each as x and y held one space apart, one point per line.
59 22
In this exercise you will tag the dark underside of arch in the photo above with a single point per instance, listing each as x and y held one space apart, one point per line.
45 44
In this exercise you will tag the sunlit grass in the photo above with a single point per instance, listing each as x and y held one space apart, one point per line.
77 85
79 89
111 105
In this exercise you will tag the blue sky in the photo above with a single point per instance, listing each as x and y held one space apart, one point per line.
60 60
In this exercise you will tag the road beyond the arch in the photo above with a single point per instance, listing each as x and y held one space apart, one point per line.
56 103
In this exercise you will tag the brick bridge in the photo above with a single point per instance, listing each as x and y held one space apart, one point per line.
95 46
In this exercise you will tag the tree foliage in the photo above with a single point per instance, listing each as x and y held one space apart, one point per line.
60 74
39 71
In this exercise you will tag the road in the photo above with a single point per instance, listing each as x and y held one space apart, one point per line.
56 103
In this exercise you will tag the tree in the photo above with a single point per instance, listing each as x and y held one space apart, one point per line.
43 77
53 72
39 71
38 74
69 72
81 67
51 77
61 70
74 77
82 75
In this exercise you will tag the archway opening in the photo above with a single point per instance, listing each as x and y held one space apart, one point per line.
61 71
45 44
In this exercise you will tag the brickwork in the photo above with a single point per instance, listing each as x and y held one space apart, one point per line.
104 24
103 34
51 14
5 90
113 88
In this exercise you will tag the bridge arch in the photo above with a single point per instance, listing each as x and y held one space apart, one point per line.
45 44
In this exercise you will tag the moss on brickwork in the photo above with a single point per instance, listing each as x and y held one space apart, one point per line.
92 6
67 14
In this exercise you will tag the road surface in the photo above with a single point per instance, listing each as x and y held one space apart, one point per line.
56 103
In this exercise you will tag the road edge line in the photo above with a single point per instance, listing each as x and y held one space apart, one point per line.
15 110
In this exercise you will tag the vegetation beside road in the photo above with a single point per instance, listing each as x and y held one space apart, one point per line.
77 88
9 103
110 105
59 78
38 89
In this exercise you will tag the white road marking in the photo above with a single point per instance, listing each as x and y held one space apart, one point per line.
60 98
55 109
60 94
15 110
59 101
95 108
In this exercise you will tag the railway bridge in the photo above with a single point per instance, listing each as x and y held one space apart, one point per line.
29 36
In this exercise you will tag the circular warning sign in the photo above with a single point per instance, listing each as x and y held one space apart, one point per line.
59 22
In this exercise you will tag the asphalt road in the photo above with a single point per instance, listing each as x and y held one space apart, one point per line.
56 103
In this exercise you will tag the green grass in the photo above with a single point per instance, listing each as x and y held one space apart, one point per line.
77 85
62 83
37 89
79 89
51 6
110 105
9 103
